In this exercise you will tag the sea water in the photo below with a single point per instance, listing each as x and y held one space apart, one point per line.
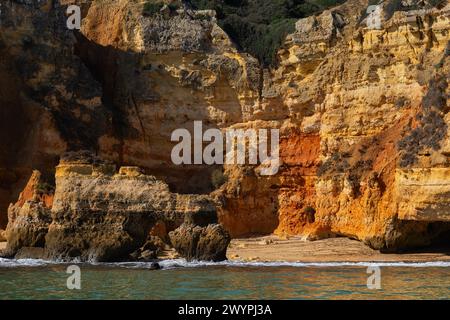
178 279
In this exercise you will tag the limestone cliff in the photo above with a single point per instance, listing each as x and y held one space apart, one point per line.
97 214
363 112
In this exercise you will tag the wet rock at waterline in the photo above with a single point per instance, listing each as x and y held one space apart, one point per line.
201 243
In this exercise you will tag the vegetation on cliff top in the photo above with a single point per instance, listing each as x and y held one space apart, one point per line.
260 26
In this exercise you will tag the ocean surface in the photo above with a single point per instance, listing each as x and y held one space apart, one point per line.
37 279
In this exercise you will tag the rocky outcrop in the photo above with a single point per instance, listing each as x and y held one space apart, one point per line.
29 217
362 113
100 215
150 251
201 243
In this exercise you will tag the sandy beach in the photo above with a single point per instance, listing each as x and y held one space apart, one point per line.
294 249
273 248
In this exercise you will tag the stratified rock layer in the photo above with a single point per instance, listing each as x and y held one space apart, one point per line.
423 194
98 215
362 112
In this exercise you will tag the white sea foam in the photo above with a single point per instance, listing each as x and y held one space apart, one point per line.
182 263
5 263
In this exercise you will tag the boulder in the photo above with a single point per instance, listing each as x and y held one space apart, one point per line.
149 251
29 226
155 266
207 243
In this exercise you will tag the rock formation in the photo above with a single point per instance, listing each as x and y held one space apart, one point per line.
362 112
201 243
30 216
97 214
200 237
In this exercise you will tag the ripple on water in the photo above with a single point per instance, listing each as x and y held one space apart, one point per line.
38 279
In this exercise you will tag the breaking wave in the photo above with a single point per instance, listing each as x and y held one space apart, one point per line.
178 263
182 263
11 263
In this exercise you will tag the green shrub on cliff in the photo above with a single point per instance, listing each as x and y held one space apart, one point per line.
260 26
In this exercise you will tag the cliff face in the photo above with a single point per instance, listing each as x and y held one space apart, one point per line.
382 103
362 113
364 143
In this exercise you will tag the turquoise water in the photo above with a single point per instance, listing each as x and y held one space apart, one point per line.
32 279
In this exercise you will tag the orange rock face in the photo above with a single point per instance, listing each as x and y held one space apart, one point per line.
29 217
35 190
280 203
363 113
300 156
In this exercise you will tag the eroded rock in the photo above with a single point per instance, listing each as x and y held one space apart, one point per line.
201 243
354 105
30 217
99 215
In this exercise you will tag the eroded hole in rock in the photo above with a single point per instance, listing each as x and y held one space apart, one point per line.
442 241
418 236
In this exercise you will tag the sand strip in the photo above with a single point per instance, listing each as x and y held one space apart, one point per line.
273 248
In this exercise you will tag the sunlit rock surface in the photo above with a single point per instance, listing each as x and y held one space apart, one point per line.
362 113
